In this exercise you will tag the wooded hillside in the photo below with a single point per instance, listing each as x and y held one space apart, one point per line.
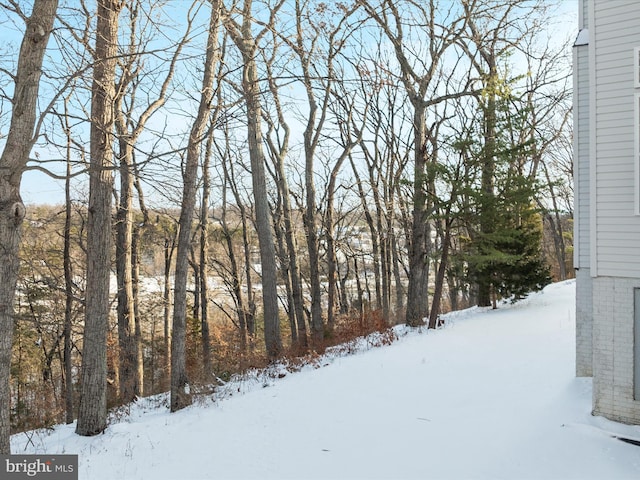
255 178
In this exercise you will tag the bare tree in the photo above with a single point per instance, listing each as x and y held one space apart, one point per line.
233 274
241 32
170 234
129 128
350 136
180 395
277 138
386 155
203 254
421 74
92 412
68 279
317 79
15 155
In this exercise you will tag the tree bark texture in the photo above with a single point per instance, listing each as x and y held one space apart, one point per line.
241 310
204 258
180 396
264 221
417 303
68 285
290 253
246 43
129 382
15 155
92 412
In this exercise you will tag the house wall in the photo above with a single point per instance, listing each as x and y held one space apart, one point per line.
584 323
613 314
582 209
614 31
581 154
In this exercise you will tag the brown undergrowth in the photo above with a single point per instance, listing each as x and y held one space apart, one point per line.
350 334
40 404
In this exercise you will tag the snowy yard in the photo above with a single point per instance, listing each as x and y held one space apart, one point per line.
492 395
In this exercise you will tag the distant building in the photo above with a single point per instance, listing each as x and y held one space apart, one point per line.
607 210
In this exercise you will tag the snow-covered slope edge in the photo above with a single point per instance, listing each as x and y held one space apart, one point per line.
491 395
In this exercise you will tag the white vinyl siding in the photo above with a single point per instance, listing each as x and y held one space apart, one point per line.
582 202
636 70
583 14
636 138
636 344
581 155
615 35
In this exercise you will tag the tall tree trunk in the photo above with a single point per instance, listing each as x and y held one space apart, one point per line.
396 272
440 275
251 296
15 155
383 235
180 396
242 36
310 136
92 412
555 226
137 340
330 225
311 229
68 283
169 249
285 272
241 309
204 257
129 385
295 284
196 285
417 294
263 214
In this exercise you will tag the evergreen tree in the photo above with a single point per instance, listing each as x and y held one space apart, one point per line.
507 258
510 258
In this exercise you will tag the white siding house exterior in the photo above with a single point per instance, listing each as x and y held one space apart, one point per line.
607 210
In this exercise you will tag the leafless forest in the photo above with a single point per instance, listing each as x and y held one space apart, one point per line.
252 179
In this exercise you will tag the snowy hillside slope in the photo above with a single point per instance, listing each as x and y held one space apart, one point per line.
491 395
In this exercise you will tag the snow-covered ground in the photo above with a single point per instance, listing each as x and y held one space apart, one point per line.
491 395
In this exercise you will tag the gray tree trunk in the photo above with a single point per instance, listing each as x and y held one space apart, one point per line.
235 273
264 221
169 249
417 291
137 340
204 259
246 43
290 253
92 412
68 285
14 157
332 267
180 396
129 384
